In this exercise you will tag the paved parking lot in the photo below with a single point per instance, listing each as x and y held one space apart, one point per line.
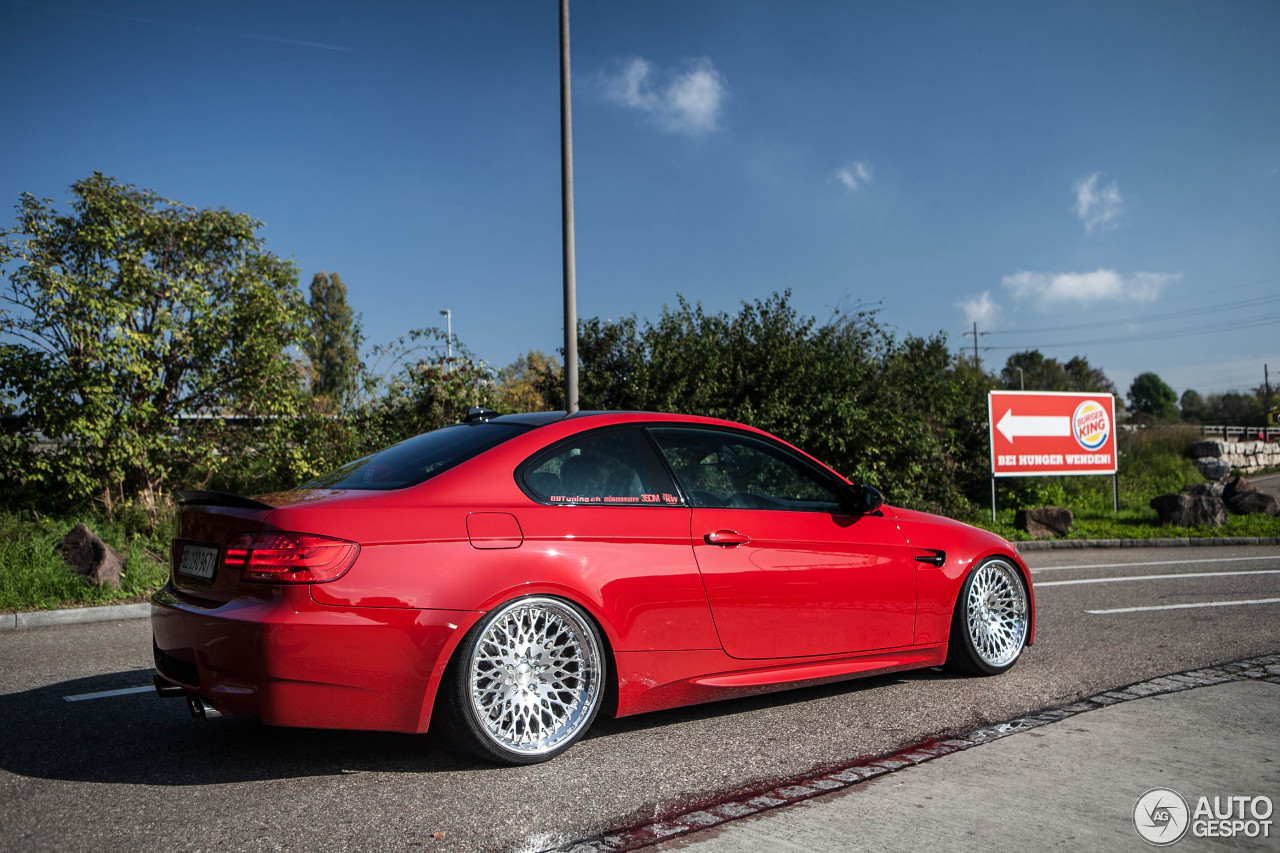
133 771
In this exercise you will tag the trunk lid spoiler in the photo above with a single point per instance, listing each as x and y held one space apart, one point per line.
205 497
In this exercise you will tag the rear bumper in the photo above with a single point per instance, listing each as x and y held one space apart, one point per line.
293 662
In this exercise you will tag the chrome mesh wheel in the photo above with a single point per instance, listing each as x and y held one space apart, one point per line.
996 613
534 676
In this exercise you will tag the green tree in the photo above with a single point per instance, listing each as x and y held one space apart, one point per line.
334 348
1193 406
904 415
1048 374
424 392
408 389
522 384
1037 373
124 315
1235 409
1150 396
1082 376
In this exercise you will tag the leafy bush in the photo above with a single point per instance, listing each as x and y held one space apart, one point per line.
904 415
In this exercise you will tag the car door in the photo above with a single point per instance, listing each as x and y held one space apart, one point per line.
788 572
608 519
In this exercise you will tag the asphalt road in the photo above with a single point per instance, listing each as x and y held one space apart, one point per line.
133 771
1269 483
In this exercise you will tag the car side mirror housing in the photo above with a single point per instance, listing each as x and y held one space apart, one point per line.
860 499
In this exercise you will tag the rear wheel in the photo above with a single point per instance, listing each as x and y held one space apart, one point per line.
992 615
527 682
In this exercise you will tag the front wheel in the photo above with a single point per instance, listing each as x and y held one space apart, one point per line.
992 614
527 682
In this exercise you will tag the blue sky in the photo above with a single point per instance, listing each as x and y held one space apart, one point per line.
1108 170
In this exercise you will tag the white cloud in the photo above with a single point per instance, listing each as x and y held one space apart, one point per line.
628 87
687 101
1098 207
1086 287
980 309
855 175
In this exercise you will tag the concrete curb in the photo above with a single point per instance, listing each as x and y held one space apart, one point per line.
76 616
718 811
1190 542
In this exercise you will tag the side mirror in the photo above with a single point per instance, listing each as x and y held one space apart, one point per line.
860 499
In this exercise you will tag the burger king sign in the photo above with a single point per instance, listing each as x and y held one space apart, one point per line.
1041 432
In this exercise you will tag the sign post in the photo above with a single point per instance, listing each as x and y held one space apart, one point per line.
1049 433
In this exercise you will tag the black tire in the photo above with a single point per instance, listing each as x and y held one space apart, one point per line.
991 619
525 683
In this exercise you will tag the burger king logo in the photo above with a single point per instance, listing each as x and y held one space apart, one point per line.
1090 425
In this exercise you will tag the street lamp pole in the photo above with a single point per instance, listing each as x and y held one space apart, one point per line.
566 207
1021 378
448 319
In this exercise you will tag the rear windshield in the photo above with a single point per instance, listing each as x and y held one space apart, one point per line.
418 459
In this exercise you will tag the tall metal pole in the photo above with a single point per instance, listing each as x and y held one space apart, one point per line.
448 318
566 206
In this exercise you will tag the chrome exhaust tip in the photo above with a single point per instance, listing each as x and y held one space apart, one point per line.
200 708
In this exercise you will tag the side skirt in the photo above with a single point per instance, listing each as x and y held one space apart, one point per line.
652 681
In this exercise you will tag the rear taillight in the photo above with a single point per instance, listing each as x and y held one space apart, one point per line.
290 557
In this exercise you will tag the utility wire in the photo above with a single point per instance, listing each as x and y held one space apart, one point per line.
1152 336
1148 318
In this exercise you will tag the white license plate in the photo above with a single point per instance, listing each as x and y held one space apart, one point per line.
198 561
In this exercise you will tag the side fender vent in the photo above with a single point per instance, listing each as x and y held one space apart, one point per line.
931 556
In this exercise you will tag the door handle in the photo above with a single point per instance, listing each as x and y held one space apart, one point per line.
726 538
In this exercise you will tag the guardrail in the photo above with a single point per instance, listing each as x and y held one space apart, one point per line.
1241 433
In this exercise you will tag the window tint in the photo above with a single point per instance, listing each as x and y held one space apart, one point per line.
418 459
615 467
722 469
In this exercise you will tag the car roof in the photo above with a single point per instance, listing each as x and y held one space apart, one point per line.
537 419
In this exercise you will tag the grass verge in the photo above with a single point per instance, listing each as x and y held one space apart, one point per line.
1155 461
34 576
1132 523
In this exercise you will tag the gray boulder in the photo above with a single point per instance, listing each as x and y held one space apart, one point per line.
1202 449
1190 510
1212 490
1251 503
1236 485
1214 468
90 556
1044 521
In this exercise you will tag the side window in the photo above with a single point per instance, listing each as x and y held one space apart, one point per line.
614 467
722 469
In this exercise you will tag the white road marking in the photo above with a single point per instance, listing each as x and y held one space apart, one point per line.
1157 563
1043 584
1186 606
125 691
